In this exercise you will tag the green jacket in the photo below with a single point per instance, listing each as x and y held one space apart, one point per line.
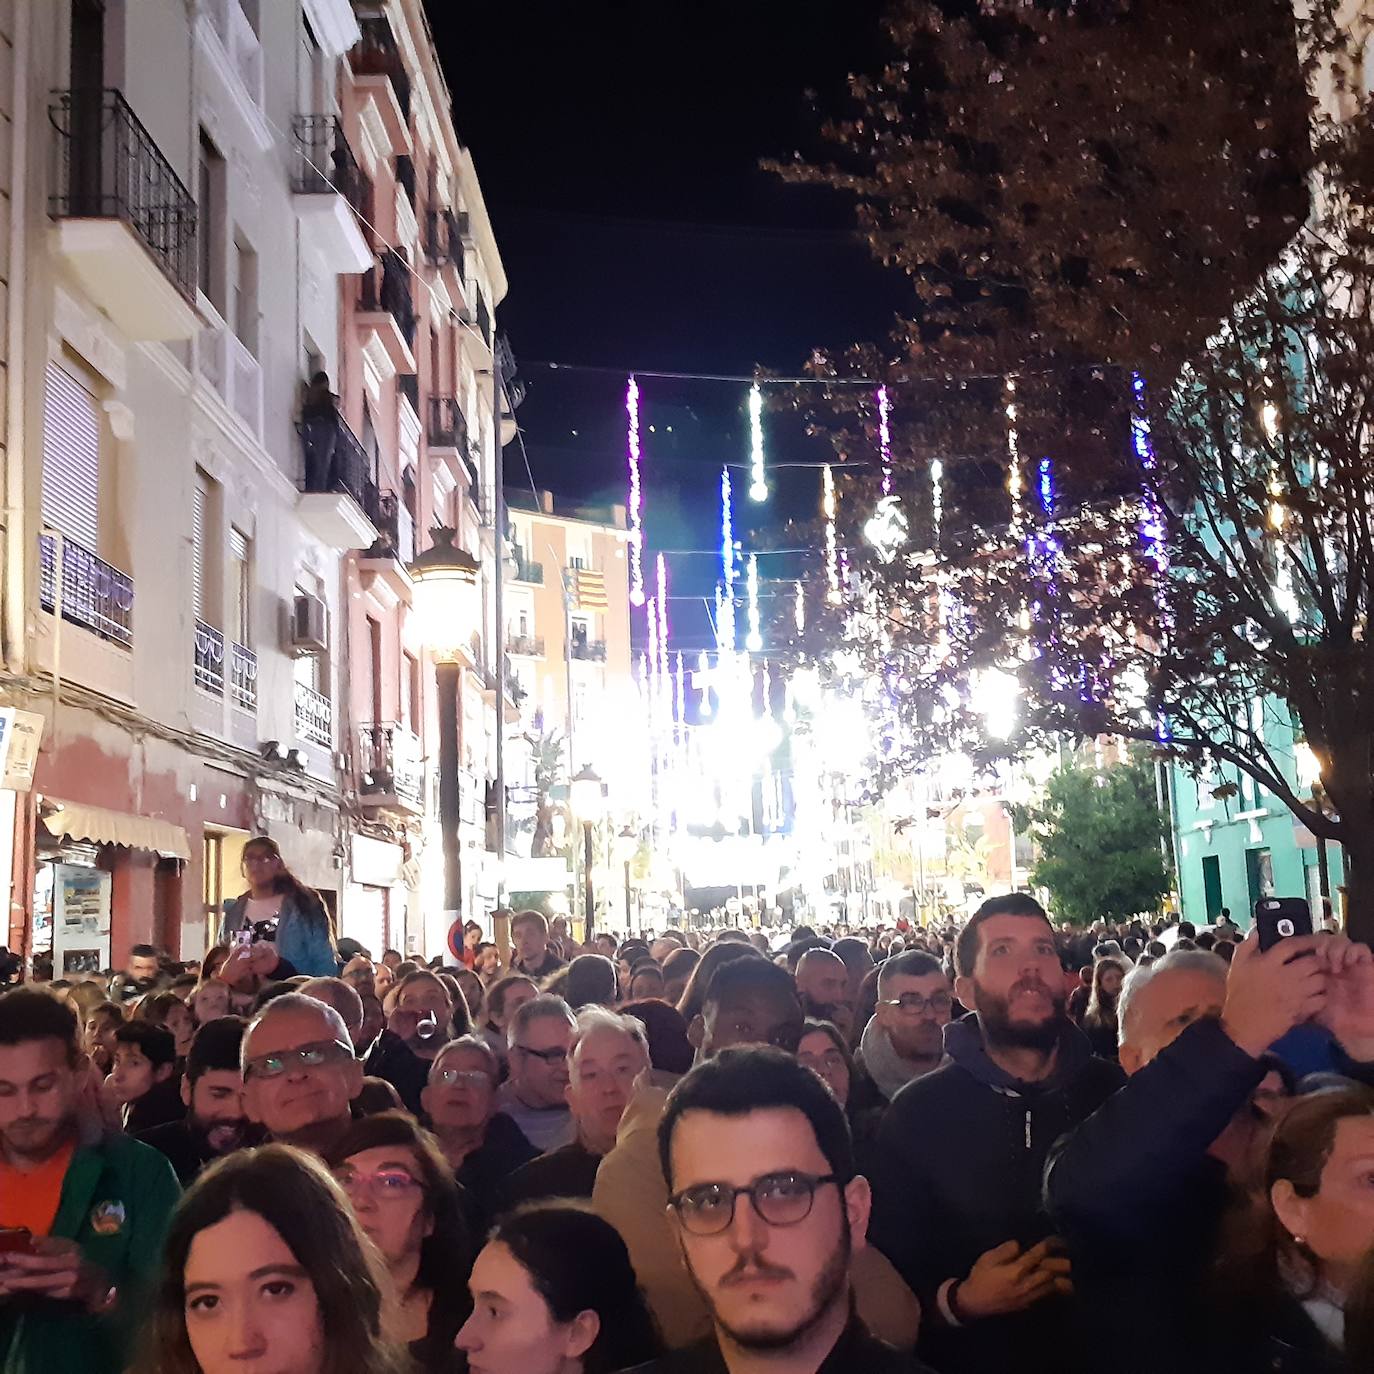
117 1198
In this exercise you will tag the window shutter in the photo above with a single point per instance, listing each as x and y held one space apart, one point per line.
239 558
200 502
71 458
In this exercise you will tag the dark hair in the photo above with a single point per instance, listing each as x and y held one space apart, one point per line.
1225 949
669 1047
446 1254
215 1045
591 980
713 958
913 963
1102 1005
153 1007
736 1082
1187 930
294 1195
1359 1319
1206 940
156 1042
213 961
31 1014
527 918
144 952
1156 949
308 903
679 962
578 1263
496 993
832 1033
850 947
1010 904
749 975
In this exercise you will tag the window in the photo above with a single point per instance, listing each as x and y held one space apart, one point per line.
72 423
1211 885
524 625
210 182
241 586
410 693
246 294
202 534
581 632
1259 873
374 646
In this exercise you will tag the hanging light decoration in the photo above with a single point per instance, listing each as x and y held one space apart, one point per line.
754 642
886 528
799 608
636 512
725 604
662 611
758 489
1015 481
885 438
832 562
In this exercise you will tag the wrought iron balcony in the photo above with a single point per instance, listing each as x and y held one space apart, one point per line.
527 571
378 52
336 461
95 595
448 426
314 716
386 287
325 165
390 764
525 646
109 167
589 650
209 658
243 677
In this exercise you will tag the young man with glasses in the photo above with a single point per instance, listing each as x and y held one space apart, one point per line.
535 1096
768 1212
300 1075
905 1038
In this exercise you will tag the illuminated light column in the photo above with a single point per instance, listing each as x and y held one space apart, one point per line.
754 642
636 511
726 602
885 438
799 608
832 562
758 489
1015 481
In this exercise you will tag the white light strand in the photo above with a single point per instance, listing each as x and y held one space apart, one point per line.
725 606
754 643
885 438
636 540
799 609
1015 481
832 562
758 489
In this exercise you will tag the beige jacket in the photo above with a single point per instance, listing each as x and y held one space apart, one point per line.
630 1193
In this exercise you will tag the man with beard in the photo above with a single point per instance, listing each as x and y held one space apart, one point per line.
823 986
142 973
768 1212
905 1038
1141 1186
212 1089
961 1152
91 1209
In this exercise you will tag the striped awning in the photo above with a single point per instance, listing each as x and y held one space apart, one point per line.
590 588
77 821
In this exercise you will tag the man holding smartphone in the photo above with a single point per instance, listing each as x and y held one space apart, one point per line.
82 1214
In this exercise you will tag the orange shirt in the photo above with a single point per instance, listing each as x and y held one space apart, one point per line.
30 1197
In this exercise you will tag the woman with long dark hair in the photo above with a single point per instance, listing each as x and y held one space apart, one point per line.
554 1293
408 1205
280 908
1099 1020
264 1266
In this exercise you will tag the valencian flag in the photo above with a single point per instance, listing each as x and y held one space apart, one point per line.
590 589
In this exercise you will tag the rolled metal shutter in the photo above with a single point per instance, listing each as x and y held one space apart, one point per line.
71 458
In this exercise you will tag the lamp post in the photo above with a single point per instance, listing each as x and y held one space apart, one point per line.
626 845
585 792
446 604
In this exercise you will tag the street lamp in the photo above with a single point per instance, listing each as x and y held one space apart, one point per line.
585 793
626 847
447 606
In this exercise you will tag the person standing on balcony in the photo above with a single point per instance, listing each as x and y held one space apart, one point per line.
279 908
320 430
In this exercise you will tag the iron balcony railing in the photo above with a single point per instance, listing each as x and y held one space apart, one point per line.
209 658
108 167
526 646
528 571
325 165
589 650
386 286
448 426
243 677
377 52
336 461
95 595
314 716
390 763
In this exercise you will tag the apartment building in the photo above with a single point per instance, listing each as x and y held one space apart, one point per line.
252 281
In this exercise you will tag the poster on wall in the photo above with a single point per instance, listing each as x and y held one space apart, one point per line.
21 732
81 919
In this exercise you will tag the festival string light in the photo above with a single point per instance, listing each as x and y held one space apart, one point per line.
758 489
885 437
799 608
832 562
754 642
1015 481
725 604
636 512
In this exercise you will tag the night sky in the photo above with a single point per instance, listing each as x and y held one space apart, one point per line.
618 148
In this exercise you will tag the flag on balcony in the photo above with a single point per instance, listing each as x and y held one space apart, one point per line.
590 588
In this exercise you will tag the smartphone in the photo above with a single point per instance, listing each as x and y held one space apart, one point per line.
1281 918
244 937
16 1239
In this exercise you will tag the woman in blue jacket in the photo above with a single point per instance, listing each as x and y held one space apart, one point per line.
280 908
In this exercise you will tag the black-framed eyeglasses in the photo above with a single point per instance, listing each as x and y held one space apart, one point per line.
309 1056
553 1056
779 1199
913 1004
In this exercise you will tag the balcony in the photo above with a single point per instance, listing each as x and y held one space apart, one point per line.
338 503
233 372
243 677
126 226
232 45
447 425
445 242
95 595
386 311
314 717
525 646
405 176
391 772
589 650
379 72
527 571
209 659
408 385
332 194
383 568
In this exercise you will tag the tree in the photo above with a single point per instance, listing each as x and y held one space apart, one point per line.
1097 835
1135 471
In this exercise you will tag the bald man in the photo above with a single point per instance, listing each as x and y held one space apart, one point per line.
823 986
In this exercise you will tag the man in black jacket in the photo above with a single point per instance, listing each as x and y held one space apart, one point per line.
961 1153
1139 1188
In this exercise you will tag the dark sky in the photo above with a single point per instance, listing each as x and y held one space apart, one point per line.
618 147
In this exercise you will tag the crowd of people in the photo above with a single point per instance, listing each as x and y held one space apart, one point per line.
969 1149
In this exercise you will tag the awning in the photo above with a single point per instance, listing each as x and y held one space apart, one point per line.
77 821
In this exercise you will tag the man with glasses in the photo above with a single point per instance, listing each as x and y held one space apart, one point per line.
300 1074
535 1096
768 1212
905 1038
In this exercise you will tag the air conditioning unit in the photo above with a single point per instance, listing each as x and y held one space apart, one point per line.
309 625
